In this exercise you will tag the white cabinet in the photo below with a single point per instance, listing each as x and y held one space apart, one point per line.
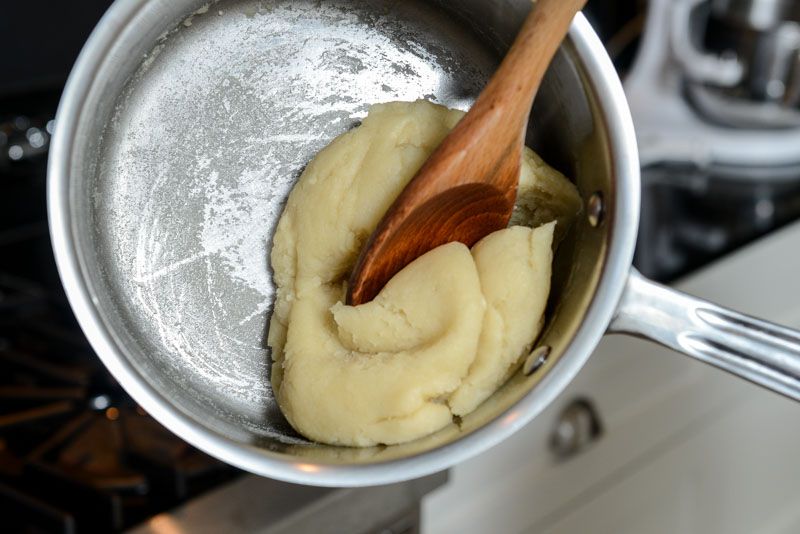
734 472
685 447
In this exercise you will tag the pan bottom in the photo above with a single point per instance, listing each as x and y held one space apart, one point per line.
208 138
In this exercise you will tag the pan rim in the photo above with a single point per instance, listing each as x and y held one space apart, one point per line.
617 122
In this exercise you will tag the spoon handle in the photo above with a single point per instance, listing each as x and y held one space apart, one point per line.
466 188
511 90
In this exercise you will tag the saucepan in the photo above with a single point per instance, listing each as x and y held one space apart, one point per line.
179 135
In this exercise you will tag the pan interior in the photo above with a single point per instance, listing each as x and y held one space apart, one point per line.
204 142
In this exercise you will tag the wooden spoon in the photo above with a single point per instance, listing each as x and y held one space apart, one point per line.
467 188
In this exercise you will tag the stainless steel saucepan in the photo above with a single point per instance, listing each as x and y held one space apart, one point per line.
179 135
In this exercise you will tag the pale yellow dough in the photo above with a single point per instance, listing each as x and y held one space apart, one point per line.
444 333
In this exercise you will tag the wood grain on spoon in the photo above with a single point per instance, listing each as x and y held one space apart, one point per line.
467 188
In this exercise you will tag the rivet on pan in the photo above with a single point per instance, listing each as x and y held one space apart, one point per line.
536 359
595 209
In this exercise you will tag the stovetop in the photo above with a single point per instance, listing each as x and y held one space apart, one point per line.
76 453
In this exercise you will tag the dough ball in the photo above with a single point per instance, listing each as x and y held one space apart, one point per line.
444 333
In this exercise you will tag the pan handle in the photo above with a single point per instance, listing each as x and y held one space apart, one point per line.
759 351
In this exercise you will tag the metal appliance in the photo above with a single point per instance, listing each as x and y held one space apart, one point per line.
715 96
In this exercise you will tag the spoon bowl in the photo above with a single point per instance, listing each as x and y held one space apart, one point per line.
466 189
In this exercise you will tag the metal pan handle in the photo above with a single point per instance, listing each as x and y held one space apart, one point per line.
761 352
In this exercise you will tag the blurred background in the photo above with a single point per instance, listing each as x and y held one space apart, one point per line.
641 442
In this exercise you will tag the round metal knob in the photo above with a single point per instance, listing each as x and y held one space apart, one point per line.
576 428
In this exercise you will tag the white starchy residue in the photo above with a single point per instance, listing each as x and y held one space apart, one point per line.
204 147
